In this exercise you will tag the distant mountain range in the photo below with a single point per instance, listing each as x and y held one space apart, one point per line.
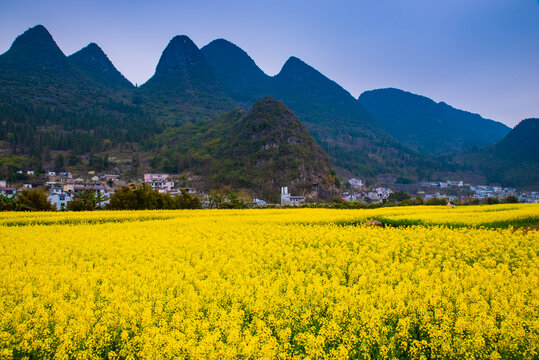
80 105
354 141
514 160
35 71
429 127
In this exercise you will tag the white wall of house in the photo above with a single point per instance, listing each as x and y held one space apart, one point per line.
60 199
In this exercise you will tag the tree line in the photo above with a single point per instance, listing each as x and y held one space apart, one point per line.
141 197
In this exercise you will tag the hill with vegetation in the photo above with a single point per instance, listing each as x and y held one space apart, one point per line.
34 71
59 112
513 161
260 150
184 86
94 63
354 141
429 127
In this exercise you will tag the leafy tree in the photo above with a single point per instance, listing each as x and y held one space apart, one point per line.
123 199
215 198
8 203
86 200
73 159
410 202
398 196
436 201
33 200
511 199
187 201
143 197
244 197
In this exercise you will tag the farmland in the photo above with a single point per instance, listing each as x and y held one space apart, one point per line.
433 282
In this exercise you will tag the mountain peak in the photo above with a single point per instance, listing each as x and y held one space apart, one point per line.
296 70
92 49
36 32
226 48
184 82
92 60
34 49
521 142
181 39
267 103
236 71
38 36
180 53
294 60
294 64
271 139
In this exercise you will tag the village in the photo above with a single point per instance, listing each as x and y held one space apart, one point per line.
62 187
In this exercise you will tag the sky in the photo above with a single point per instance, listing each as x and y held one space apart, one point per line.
477 55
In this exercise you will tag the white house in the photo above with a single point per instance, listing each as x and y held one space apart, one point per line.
59 199
159 182
357 183
112 177
287 199
259 202
379 194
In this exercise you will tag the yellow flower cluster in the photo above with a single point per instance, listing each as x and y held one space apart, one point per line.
270 284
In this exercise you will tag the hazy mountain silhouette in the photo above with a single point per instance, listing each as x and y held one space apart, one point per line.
242 79
340 125
513 161
34 71
429 127
82 104
184 86
95 64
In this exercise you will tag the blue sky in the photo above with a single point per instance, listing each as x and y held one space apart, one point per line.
477 55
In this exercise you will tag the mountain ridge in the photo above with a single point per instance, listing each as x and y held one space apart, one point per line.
513 161
260 150
427 126
36 47
84 105
184 84
96 64
223 56
357 145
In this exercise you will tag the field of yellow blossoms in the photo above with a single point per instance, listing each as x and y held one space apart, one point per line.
433 283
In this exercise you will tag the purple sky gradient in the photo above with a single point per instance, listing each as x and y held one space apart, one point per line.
480 55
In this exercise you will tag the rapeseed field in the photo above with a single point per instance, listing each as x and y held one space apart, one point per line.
433 283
